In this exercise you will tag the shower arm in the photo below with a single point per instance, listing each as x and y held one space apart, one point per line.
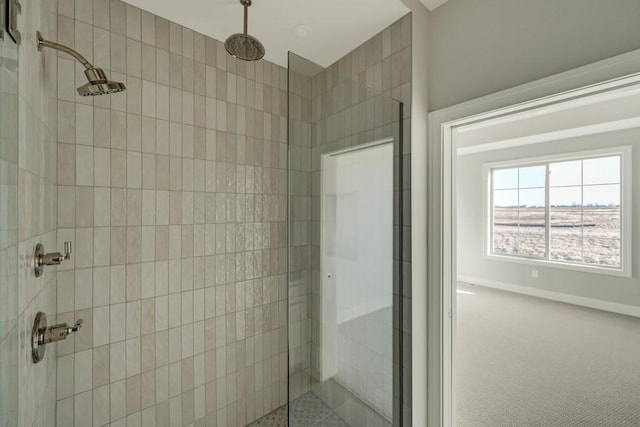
246 4
42 43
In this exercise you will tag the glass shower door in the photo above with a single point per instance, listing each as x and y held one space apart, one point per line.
8 229
344 213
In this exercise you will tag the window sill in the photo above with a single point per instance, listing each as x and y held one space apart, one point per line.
592 269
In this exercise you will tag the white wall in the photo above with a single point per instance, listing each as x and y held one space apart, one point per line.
470 226
478 47
364 232
357 273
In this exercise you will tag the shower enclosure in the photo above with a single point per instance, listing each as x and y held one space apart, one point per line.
345 211
225 275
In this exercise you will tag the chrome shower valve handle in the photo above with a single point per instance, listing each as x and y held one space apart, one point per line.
41 335
40 259
57 332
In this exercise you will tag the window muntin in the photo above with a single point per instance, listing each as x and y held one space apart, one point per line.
565 211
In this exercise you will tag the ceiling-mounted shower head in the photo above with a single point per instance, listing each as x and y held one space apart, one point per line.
98 82
242 45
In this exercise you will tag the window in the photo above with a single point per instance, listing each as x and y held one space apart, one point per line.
569 211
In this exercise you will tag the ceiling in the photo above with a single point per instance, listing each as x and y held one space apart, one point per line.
335 27
595 114
432 4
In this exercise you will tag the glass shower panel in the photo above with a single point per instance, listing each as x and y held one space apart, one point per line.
8 231
344 200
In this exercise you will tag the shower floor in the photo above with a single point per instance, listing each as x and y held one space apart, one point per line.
310 410
307 410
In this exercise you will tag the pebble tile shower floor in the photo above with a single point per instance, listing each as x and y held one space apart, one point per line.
307 410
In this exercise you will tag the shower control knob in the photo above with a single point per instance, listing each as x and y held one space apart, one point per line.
40 258
41 335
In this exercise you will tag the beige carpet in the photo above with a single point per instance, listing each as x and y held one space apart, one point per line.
524 361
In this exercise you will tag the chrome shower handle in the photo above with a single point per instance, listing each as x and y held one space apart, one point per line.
55 258
67 253
75 327
40 259
57 332
41 335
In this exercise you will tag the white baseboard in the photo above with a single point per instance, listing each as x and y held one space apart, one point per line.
629 310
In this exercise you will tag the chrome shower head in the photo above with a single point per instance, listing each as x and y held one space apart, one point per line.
245 47
98 82
242 45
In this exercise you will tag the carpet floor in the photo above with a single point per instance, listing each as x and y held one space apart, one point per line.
525 361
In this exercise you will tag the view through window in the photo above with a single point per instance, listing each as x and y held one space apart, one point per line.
563 211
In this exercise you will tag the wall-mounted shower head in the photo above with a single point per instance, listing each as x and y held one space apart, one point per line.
242 45
98 82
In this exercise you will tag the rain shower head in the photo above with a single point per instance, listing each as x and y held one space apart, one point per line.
242 45
98 82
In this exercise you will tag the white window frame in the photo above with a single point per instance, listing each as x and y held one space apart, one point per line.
625 154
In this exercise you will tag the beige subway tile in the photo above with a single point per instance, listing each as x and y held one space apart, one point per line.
101 363
118 400
101 405
83 403
84 207
199 78
134 207
83 289
148 271
187 74
101 246
149 171
134 170
148 135
134 245
162 102
134 132
162 67
148 29
84 165
66 207
162 243
118 245
102 167
148 389
133 394
175 38
161 313
175 246
148 344
134 95
118 53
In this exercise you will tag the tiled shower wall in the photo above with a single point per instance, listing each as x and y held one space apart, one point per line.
329 111
37 124
174 193
343 115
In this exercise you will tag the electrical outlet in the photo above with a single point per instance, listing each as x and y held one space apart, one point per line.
534 274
